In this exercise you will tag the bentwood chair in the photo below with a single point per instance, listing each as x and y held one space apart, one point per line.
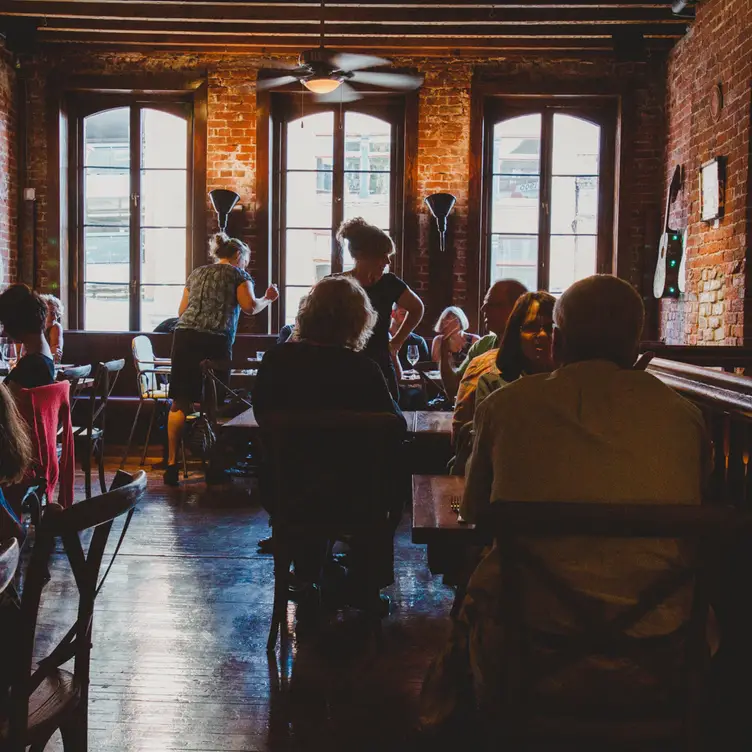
9 555
90 437
151 383
45 697
329 475
76 376
598 685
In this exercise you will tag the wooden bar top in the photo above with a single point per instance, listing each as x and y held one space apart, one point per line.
433 518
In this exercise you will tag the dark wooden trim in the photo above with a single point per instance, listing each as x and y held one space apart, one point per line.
136 83
198 255
263 247
134 205
410 212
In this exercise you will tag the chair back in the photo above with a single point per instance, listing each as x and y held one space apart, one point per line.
74 374
143 360
534 662
96 514
105 378
332 466
46 410
9 553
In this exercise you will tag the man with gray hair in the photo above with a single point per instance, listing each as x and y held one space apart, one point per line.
599 429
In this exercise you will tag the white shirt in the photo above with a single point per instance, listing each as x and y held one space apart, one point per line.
591 431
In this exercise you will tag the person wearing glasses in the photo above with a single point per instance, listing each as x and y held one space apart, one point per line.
497 305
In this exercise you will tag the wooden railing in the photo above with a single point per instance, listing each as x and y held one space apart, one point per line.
726 403
727 358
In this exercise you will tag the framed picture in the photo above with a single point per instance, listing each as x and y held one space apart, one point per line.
712 189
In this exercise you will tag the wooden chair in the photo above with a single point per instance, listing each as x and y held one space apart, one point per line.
75 376
9 554
90 437
149 369
531 658
330 474
45 697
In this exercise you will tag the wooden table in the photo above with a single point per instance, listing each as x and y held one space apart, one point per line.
434 521
422 423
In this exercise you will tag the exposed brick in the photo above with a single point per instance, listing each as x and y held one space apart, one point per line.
8 172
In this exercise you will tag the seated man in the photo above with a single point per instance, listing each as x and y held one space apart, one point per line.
597 429
23 314
497 305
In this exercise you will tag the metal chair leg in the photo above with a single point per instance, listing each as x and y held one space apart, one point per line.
130 437
281 593
185 465
100 461
148 433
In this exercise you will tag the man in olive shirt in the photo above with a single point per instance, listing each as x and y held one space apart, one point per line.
497 305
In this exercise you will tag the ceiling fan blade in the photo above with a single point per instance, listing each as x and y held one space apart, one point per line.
274 82
343 93
350 61
388 80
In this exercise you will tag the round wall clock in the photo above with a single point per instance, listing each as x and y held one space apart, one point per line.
716 101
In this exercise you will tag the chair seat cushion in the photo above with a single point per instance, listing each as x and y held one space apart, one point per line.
156 394
56 696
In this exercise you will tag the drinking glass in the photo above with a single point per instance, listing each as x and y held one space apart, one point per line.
9 355
259 354
412 354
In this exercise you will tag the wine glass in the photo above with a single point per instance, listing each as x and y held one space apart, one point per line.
412 355
9 354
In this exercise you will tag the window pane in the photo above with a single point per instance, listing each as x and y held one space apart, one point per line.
309 255
164 198
292 302
576 146
159 302
574 205
309 199
106 307
164 140
163 256
515 257
106 196
106 255
367 195
516 147
368 142
106 138
572 258
515 206
308 139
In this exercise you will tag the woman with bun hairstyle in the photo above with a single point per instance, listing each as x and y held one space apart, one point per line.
372 251
212 300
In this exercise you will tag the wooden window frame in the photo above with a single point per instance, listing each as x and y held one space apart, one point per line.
71 99
274 111
598 111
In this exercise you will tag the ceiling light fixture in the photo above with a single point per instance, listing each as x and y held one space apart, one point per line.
321 85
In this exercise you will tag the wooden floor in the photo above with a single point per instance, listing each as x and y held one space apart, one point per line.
179 659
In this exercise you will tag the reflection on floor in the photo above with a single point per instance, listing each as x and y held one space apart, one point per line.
179 659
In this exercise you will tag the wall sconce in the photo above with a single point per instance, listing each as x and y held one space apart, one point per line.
223 202
440 205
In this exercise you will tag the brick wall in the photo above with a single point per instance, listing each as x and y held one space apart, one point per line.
443 144
8 172
717 50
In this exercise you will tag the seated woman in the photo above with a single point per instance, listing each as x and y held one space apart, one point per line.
53 326
23 314
452 324
325 370
525 348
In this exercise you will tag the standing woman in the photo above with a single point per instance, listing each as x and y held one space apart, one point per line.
372 251
212 300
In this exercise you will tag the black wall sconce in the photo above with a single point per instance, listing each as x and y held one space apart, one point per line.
440 205
223 202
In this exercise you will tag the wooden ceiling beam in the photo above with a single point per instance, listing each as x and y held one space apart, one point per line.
367 31
95 13
297 43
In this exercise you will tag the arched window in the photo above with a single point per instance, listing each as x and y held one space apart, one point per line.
334 163
550 203
132 232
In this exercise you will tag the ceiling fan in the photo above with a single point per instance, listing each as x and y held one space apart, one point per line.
326 73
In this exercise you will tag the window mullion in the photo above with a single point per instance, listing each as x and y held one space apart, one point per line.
135 219
279 213
544 223
338 187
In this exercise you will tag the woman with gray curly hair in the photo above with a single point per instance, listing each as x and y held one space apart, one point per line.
324 368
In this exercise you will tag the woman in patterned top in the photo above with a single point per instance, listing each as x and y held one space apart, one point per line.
212 300
453 323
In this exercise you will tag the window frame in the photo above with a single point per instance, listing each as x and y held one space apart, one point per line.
275 111
601 111
89 95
